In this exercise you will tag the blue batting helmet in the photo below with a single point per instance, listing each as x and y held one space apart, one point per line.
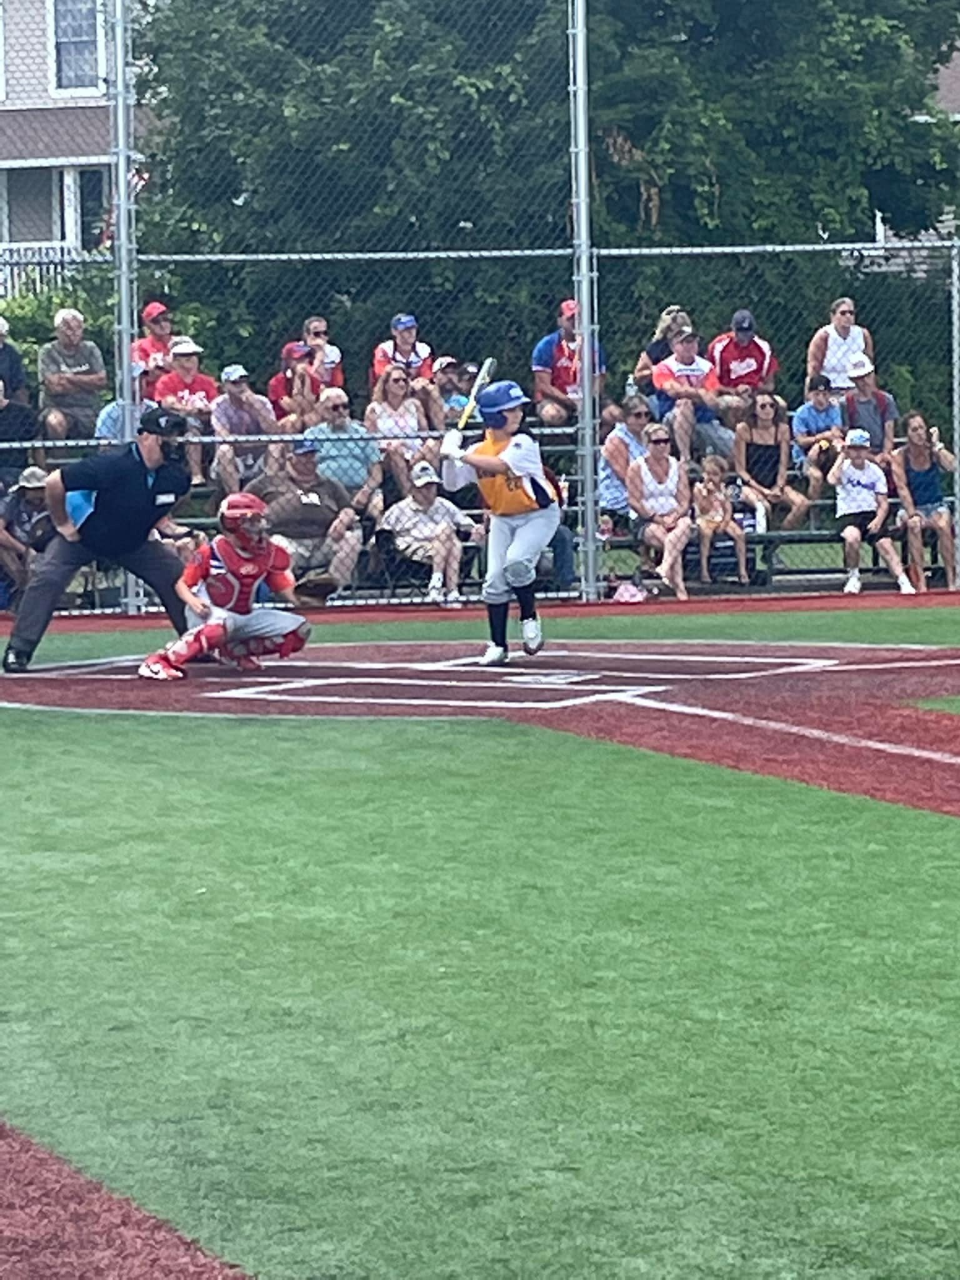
498 397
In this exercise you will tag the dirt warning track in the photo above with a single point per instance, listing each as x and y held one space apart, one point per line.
841 717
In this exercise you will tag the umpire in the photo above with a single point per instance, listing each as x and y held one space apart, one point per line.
105 507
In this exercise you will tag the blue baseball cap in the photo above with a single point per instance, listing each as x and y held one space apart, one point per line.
403 321
305 446
500 396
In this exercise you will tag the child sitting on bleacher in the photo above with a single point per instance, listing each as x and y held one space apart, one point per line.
715 515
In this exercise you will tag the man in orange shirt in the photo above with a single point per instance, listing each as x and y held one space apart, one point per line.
687 393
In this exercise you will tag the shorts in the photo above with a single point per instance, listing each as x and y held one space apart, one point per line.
925 509
78 428
307 554
713 437
249 465
860 520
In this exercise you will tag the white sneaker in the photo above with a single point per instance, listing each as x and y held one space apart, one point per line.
906 586
435 590
453 600
494 656
532 634
852 585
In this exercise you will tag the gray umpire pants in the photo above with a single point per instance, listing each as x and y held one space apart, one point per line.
152 562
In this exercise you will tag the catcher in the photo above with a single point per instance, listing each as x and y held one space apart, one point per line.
218 588
25 526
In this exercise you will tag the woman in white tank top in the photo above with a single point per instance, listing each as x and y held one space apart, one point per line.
833 347
660 495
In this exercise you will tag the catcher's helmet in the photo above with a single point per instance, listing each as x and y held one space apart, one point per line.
244 515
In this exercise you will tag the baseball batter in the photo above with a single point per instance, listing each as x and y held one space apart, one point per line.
507 468
219 586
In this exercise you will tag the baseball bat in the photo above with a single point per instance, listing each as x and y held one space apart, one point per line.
484 377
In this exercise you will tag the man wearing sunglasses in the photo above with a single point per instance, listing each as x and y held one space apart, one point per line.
153 349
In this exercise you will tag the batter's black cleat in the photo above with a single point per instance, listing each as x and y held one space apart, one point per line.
15 661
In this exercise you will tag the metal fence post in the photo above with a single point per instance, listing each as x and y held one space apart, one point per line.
583 262
124 241
955 385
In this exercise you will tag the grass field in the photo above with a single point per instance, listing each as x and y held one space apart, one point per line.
385 998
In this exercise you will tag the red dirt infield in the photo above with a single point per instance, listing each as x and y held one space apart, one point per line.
835 716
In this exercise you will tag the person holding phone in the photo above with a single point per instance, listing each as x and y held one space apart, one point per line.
917 467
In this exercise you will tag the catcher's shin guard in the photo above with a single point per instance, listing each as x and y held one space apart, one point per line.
194 643
283 646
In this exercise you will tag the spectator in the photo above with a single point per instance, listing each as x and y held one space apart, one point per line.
25 526
345 451
397 420
110 418
687 389
622 447
761 454
870 409
190 393
743 361
153 349
671 318
312 518
449 378
17 422
833 347
403 349
424 528
72 375
294 391
715 515
13 380
241 412
327 364
556 370
817 434
862 509
660 494
916 469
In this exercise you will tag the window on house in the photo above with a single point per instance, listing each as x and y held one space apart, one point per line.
93 207
75 29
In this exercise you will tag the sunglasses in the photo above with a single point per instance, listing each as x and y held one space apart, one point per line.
659 440
319 333
846 311
641 414
340 404
400 381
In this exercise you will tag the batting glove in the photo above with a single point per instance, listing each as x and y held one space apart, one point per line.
450 445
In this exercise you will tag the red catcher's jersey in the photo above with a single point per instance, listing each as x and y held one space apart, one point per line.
232 576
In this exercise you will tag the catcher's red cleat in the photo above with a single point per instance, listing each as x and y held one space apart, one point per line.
159 667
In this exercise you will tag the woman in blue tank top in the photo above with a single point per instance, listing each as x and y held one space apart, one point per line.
916 471
622 446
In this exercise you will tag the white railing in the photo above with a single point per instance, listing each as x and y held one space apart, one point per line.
34 266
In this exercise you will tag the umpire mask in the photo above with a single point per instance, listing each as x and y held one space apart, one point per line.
174 450
170 427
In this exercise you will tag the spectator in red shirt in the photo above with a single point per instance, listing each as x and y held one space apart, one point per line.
403 349
743 361
153 349
295 390
187 391
327 356
688 400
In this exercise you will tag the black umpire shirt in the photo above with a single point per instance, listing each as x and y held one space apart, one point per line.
115 500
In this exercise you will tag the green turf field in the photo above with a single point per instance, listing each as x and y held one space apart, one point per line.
395 999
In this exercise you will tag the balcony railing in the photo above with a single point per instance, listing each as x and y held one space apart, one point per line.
35 266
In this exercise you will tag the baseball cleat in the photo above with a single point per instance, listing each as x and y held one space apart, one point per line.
532 634
852 585
159 667
15 661
494 656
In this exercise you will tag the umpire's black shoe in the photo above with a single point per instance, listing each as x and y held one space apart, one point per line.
15 661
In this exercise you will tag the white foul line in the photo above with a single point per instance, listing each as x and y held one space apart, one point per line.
798 730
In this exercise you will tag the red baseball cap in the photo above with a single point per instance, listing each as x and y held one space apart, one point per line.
295 351
569 307
154 309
